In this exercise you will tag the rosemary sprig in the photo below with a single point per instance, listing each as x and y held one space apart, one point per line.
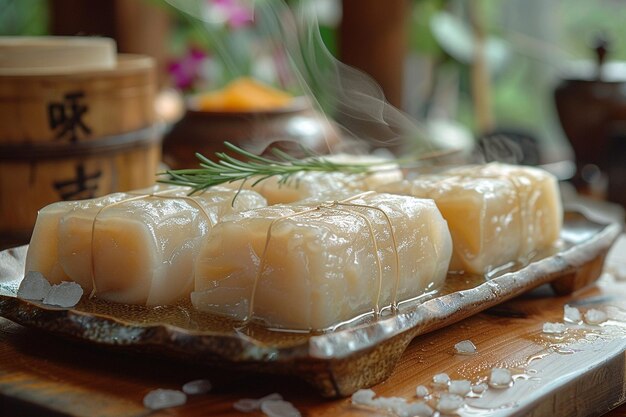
228 169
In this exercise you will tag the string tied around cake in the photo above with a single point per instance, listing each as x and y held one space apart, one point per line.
341 206
162 194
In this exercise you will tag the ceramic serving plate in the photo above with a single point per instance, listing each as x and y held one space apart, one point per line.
336 363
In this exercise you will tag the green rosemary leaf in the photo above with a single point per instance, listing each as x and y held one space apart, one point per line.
228 169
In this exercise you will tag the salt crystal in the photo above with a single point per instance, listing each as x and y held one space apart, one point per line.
164 398
479 388
363 397
34 286
594 316
65 294
465 347
500 378
460 387
389 403
419 408
404 409
271 397
421 391
571 314
620 272
279 408
441 379
399 406
553 328
449 403
199 386
248 405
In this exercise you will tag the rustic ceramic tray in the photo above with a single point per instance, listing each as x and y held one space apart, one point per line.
336 363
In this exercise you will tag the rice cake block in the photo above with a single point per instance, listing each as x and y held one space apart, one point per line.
316 266
134 248
326 185
497 213
43 252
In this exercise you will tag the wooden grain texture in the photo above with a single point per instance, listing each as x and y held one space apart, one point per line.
380 53
46 52
31 184
586 378
69 133
120 99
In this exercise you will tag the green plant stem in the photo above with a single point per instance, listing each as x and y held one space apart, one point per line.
228 169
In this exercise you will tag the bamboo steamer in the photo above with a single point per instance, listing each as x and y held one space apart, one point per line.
28 53
77 127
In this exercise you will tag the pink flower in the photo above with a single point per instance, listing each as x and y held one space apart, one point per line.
236 13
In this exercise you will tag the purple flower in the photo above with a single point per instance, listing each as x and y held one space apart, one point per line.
186 71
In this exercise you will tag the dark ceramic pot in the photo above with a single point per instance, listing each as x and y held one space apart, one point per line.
289 128
591 104
592 109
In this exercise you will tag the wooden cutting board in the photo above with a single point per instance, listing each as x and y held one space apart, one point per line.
580 374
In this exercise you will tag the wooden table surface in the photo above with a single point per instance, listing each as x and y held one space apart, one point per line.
582 374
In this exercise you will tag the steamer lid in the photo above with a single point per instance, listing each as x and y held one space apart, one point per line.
56 54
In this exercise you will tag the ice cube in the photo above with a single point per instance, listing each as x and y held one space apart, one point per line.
279 408
164 398
593 316
500 378
449 403
460 387
571 314
34 286
465 347
553 328
198 386
421 391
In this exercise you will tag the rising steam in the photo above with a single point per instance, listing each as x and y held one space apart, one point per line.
348 96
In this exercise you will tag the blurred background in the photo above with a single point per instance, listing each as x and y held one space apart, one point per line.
526 41
545 76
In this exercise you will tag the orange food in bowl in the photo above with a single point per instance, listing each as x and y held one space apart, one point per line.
244 94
